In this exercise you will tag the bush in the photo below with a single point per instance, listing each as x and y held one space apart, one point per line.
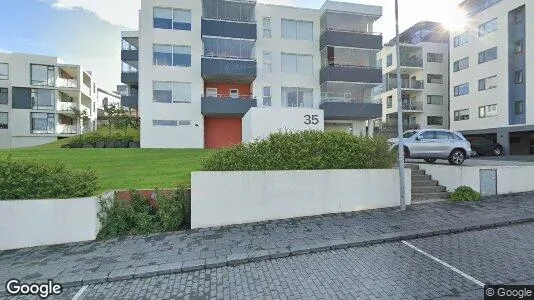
307 150
93 138
465 193
36 180
137 215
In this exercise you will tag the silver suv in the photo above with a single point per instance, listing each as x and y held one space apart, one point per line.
434 144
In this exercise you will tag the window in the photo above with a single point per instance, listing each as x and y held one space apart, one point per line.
434 121
297 30
518 16
267 33
297 97
267 96
168 55
389 60
462 89
434 99
461 64
435 57
487 111
435 78
461 115
228 48
42 75
168 18
211 92
164 123
4 124
4 71
234 93
43 99
427 135
297 64
487 83
267 61
518 46
389 102
172 92
488 27
461 39
519 107
519 76
42 123
487 55
3 96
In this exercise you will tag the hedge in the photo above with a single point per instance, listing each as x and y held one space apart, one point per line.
306 150
21 179
97 140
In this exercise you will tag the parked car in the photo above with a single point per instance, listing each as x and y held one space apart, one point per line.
483 146
434 144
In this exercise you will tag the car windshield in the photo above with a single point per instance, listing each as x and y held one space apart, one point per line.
409 134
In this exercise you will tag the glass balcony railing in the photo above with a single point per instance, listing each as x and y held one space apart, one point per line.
67 83
66 129
412 85
346 97
66 106
411 61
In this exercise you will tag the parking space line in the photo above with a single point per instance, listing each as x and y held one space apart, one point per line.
478 282
80 292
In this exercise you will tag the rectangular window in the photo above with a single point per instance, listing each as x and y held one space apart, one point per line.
168 18
519 107
4 71
267 61
435 78
4 96
519 76
518 46
267 32
461 39
434 121
435 57
461 115
462 89
487 111
211 92
42 123
297 30
389 102
461 64
4 124
234 93
267 96
487 55
43 99
172 55
228 48
488 27
170 123
297 97
434 99
389 60
42 75
518 16
297 64
487 83
172 92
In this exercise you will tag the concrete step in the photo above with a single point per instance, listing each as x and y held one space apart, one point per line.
430 196
423 183
428 189
411 166
415 202
421 177
418 172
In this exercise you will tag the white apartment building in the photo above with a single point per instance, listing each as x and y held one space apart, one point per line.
37 98
424 61
196 68
491 59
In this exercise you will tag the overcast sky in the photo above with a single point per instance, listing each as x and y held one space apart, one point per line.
87 32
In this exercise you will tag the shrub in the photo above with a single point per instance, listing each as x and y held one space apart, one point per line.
307 150
93 138
465 193
35 180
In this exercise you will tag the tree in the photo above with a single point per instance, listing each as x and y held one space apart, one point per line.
79 115
112 112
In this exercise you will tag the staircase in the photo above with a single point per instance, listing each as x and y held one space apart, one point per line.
424 189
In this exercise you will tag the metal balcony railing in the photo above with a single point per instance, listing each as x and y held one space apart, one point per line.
413 85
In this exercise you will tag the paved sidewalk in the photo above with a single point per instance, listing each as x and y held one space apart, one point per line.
124 258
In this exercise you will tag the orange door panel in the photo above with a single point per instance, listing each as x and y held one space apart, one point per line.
222 132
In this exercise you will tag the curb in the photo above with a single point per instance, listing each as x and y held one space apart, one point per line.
261 255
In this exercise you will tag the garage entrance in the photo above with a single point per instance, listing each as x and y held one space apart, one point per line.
222 132
522 143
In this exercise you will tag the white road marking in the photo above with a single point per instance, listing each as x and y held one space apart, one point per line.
478 282
80 292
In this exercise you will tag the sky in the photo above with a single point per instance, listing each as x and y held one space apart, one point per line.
87 32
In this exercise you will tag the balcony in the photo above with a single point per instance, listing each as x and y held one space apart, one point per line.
66 107
227 70
130 77
337 107
131 101
411 61
70 83
342 73
347 38
228 28
227 106
417 85
408 105
129 55
66 129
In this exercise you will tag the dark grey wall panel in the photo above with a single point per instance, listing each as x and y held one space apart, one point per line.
129 78
351 110
228 70
130 55
351 39
130 101
22 98
348 74
516 62
229 29
212 106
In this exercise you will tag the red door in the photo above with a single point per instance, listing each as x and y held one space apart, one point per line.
222 132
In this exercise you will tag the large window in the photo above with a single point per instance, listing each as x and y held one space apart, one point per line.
243 11
297 97
461 64
4 71
42 123
297 30
487 83
267 32
168 18
267 61
389 60
461 115
228 48
435 57
389 102
4 124
435 78
461 39
4 96
297 64
267 96
43 99
487 55
171 123
488 27
172 92
462 89
487 111
434 99
43 75
434 121
172 55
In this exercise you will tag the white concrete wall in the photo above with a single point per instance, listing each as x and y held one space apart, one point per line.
29 223
225 198
259 123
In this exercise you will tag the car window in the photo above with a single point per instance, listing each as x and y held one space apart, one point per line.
442 135
409 134
427 135
453 136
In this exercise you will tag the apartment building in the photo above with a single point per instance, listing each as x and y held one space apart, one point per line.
195 69
43 99
490 83
424 68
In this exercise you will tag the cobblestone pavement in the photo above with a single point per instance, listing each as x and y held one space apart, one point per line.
388 271
119 259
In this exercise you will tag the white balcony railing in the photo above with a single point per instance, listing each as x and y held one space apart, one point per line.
67 83
66 106
66 129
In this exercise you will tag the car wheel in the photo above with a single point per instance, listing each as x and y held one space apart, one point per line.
457 157
431 160
498 151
